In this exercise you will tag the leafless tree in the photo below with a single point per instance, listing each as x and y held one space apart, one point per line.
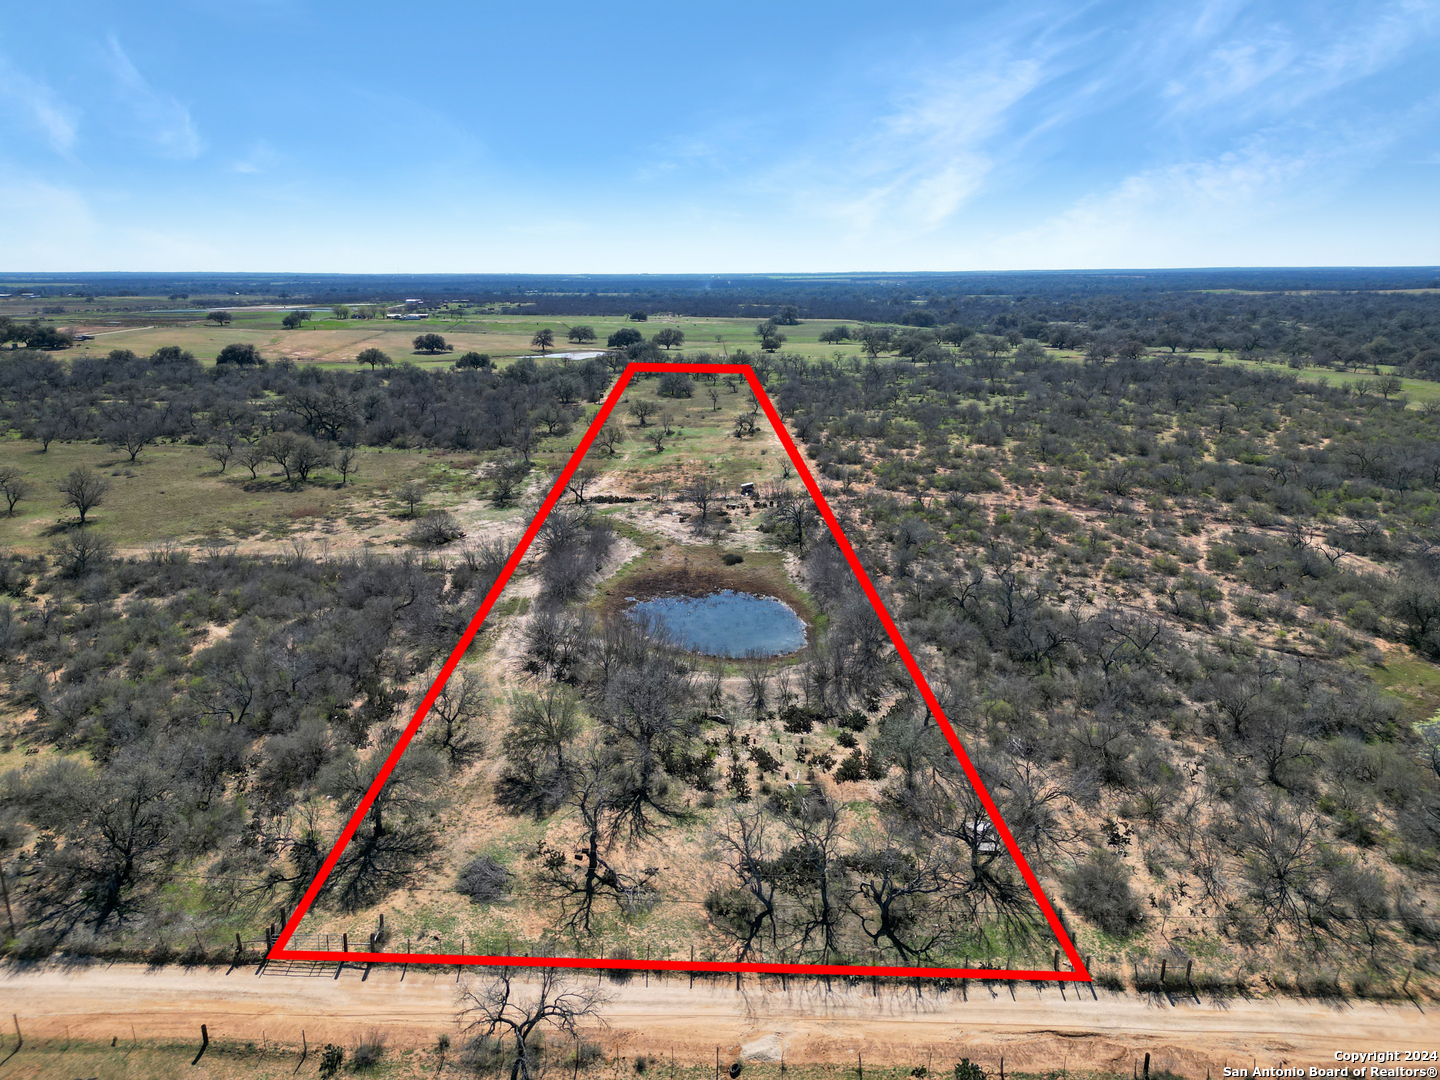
453 723
609 437
347 464
13 487
501 1008
703 492
412 494
252 456
580 479
84 489
642 410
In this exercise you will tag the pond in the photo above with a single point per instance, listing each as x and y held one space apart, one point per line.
726 623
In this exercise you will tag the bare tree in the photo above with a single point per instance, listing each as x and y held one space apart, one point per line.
497 1009
131 429
306 456
508 477
796 515
347 464
610 436
746 911
453 723
252 456
642 410
83 489
412 494
221 447
703 492
581 479
13 487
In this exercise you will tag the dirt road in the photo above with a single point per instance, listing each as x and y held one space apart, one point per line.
1039 1028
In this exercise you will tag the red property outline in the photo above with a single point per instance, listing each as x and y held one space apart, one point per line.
1079 973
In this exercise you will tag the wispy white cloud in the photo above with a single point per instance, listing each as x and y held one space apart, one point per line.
1249 61
166 121
39 106
262 158
1169 214
915 165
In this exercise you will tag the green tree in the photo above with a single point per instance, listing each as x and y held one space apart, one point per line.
241 355
221 318
581 335
375 358
543 339
624 338
294 319
669 337
431 343
473 361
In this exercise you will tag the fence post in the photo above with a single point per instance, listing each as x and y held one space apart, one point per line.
345 942
19 1039
1163 963
204 1044
5 891
1188 965
1147 1067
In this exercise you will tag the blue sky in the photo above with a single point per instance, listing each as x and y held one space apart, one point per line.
745 136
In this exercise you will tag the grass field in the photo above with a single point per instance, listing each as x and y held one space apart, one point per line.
339 341
177 493
62 1058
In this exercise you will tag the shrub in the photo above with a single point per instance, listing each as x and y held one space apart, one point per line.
483 880
854 721
436 528
853 767
473 361
1099 889
368 1054
483 1054
797 721
731 559
331 1058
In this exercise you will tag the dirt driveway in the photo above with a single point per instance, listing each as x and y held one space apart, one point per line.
1038 1029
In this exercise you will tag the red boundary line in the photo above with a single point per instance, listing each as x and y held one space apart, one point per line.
1079 972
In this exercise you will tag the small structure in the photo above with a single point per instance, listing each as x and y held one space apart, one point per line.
747 490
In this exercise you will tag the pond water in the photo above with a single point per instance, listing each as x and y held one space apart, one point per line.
727 623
